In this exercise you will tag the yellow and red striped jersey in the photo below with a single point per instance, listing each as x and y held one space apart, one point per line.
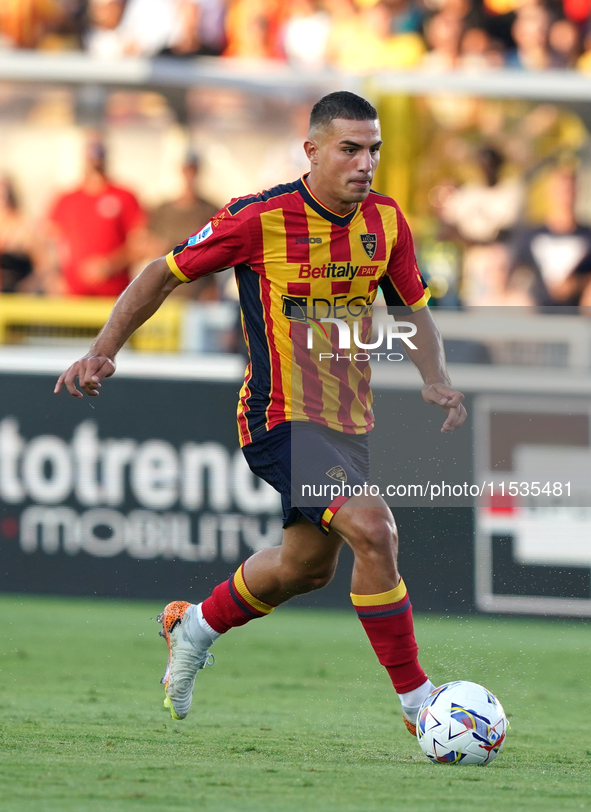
297 262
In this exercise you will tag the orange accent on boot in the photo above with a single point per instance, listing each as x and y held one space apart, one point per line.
172 614
412 729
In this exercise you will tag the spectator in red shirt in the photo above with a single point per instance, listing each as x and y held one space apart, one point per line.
94 228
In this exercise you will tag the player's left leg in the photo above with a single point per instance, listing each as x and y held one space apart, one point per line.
380 597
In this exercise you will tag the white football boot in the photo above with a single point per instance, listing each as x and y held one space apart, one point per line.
411 704
188 653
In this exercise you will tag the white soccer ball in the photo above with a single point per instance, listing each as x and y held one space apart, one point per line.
461 723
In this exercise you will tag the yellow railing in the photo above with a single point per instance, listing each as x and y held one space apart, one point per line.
33 319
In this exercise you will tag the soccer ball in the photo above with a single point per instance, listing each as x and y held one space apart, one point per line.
461 723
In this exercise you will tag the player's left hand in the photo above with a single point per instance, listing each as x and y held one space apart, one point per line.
450 401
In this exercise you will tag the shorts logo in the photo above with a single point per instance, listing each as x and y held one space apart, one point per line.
369 243
295 308
337 472
202 235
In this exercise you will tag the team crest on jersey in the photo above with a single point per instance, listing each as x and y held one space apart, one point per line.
369 243
337 472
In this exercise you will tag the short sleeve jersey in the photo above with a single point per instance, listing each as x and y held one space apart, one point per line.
296 263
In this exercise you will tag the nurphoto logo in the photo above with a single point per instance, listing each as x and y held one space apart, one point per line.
394 331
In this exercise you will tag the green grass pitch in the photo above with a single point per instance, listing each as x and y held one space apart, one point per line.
295 716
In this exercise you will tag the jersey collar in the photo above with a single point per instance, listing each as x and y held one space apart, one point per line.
317 206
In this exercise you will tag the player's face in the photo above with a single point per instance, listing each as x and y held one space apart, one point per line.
344 158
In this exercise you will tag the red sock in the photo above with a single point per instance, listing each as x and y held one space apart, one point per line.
232 604
387 620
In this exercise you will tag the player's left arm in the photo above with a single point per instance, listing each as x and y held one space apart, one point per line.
429 358
403 286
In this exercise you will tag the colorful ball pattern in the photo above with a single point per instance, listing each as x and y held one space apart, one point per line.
461 723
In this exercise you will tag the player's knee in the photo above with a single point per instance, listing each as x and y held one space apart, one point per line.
307 579
371 532
320 578
312 582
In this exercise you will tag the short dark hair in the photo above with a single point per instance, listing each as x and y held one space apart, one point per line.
341 104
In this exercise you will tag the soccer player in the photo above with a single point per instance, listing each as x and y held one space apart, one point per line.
326 239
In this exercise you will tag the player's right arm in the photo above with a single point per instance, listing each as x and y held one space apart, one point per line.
223 242
140 300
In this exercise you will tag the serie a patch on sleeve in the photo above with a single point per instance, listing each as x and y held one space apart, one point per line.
205 232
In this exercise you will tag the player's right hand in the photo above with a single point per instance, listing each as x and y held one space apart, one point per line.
90 371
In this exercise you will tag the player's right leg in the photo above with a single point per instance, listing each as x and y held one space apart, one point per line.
189 640
305 560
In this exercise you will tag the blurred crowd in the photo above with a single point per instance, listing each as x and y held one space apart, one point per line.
355 36
506 261
95 237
